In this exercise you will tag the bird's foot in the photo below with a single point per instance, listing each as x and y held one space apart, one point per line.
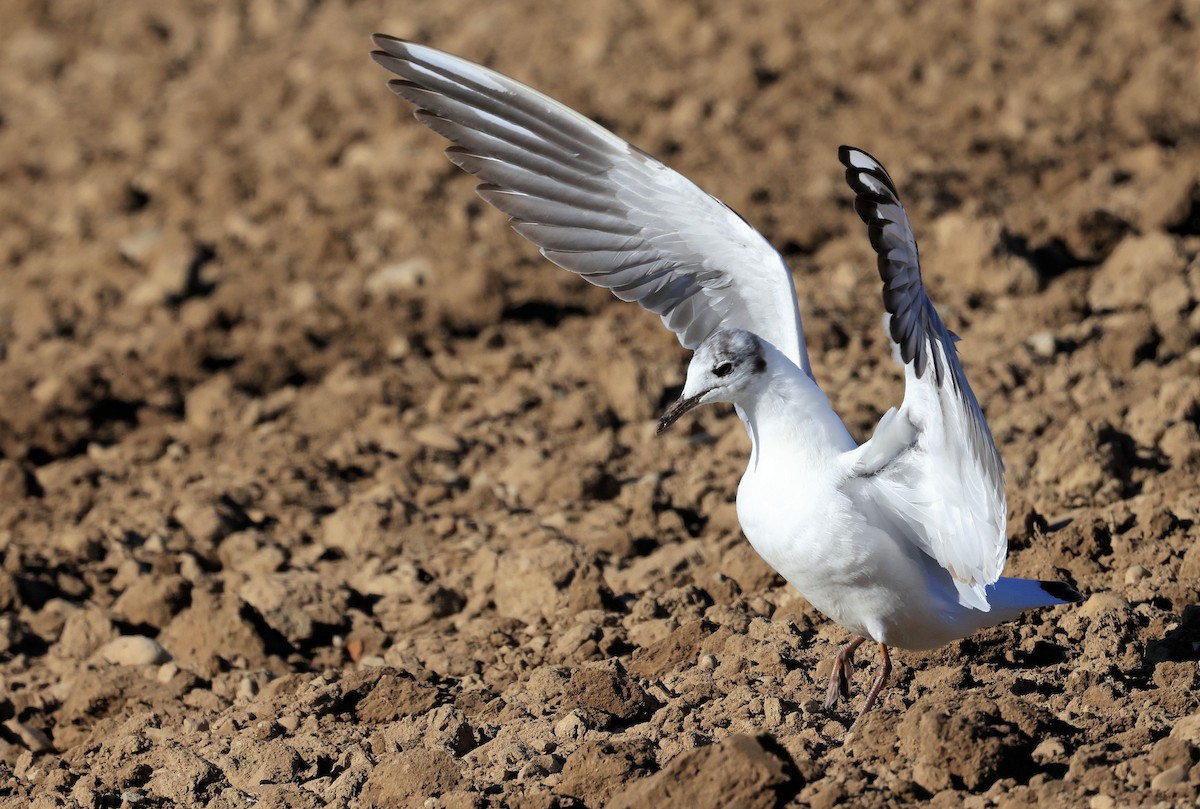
839 678
885 669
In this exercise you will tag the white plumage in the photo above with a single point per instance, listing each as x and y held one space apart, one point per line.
901 540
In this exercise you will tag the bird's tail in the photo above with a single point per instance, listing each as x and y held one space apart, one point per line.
1010 597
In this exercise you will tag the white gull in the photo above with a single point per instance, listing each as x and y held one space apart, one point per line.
900 540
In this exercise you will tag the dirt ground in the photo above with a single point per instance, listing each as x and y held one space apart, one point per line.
318 487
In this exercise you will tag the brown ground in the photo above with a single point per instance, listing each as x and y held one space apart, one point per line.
280 394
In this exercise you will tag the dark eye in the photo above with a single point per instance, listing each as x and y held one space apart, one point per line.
724 369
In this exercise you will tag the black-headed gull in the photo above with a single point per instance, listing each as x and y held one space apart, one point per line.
900 540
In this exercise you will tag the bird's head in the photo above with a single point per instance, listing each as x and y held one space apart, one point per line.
726 367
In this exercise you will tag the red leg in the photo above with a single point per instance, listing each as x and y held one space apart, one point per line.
839 678
884 670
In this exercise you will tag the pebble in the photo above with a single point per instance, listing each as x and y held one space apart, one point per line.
134 650
1188 729
195 725
1169 777
1049 751
772 712
708 662
570 726
247 690
33 738
1135 574
167 672
1100 603
405 275
436 437
1042 344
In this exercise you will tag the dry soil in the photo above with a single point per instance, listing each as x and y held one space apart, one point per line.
318 487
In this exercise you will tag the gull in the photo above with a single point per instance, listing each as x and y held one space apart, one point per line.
900 540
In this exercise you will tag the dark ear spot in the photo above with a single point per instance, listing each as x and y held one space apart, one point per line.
760 364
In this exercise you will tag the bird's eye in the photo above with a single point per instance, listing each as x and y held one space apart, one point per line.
724 369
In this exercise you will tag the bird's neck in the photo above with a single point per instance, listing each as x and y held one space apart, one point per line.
789 417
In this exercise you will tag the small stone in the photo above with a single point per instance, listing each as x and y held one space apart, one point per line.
137 247
570 726
1188 729
399 348
1049 751
1101 802
167 672
1135 574
247 690
772 712
436 437
290 722
1100 603
1169 777
1042 344
708 662
405 275
195 724
33 738
133 650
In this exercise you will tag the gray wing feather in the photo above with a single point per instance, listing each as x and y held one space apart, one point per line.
914 324
599 207
932 466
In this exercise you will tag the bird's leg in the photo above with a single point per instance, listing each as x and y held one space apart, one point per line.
884 670
839 678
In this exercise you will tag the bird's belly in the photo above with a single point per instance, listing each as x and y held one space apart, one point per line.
853 572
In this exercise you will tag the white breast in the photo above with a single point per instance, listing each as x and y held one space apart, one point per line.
855 573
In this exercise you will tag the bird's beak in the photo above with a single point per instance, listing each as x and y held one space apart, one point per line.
676 410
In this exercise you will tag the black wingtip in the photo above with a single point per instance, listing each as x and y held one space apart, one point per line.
1062 591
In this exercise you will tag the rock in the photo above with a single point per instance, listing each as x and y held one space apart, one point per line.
1135 574
404 276
739 771
133 650
1134 268
607 688
9 595
409 777
570 727
600 768
435 436
1169 777
1188 729
968 739
32 738
84 632
183 777
1099 603
153 600
1042 344
396 695
296 603
213 628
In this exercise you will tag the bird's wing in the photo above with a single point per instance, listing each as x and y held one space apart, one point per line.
932 465
599 207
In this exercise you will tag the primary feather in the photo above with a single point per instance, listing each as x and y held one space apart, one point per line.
938 442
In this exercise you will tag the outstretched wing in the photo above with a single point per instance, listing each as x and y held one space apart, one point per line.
599 207
932 467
